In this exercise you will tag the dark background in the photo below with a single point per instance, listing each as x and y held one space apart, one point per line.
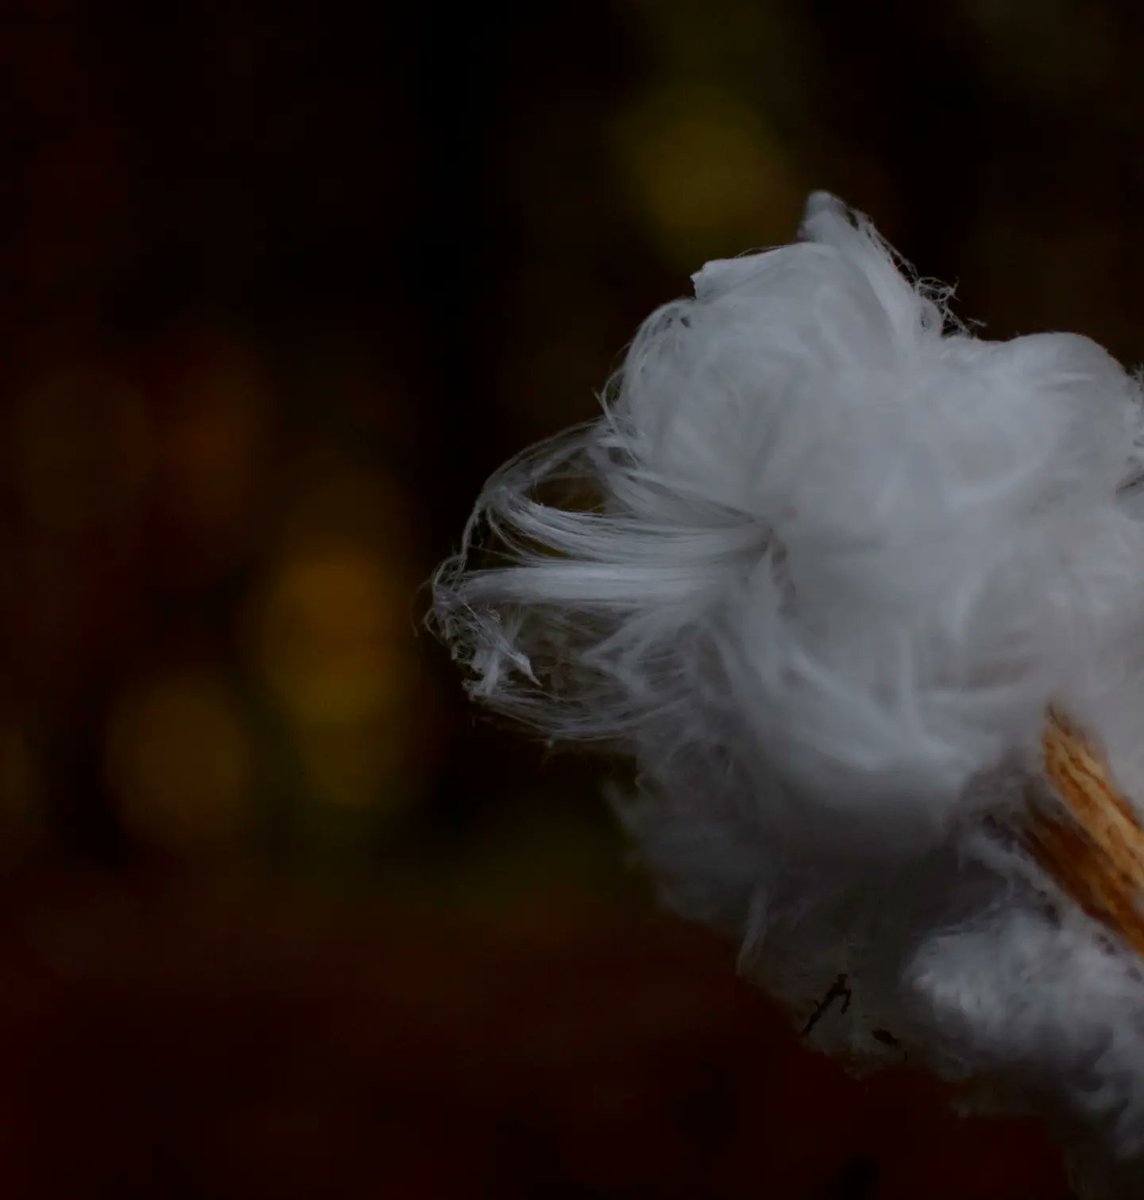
280 283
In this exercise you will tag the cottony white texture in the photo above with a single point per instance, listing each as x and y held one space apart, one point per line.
826 560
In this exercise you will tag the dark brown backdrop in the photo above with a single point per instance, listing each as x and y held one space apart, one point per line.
281 283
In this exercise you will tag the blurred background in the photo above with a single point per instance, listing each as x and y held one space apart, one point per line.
282 282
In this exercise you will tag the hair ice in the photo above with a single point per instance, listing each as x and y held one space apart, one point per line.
819 568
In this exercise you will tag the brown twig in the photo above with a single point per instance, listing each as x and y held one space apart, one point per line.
1096 854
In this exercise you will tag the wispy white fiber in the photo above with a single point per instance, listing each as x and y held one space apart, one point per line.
819 568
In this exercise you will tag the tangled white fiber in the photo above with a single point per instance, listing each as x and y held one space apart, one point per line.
820 569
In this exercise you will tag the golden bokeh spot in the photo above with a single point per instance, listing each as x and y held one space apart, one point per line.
180 763
327 637
331 632
706 174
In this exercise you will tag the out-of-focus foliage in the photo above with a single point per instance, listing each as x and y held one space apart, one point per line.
282 284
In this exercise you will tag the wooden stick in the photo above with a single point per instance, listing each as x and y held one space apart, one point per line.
1097 854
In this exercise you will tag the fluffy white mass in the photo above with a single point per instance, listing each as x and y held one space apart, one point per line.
819 568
